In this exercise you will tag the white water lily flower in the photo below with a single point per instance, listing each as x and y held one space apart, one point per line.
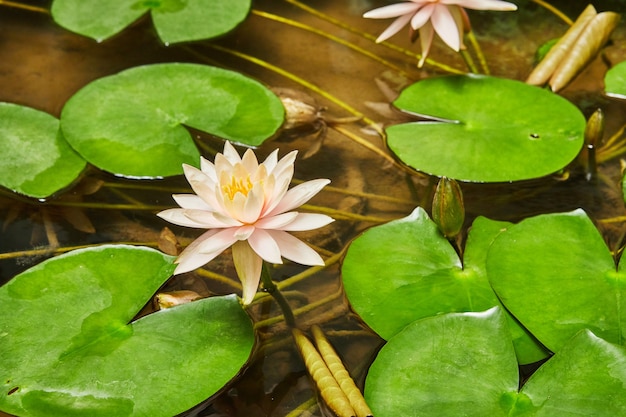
246 205
445 17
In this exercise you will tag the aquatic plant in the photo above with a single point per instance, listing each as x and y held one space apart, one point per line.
525 300
246 205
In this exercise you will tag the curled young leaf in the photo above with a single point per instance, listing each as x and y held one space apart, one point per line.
595 34
544 70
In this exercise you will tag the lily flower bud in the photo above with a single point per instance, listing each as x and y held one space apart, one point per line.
594 130
448 207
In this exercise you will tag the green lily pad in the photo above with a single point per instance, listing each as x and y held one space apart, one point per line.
69 348
174 20
555 274
486 129
35 158
615 81
463 364
406 270
133 123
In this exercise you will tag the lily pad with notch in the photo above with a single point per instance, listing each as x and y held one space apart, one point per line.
36 159
407 270
175 20
486 129
132 124
556 275
464 364
70 347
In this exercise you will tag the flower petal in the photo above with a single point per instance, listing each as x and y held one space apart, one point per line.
208 168
483 4
299 195
191 258
230 153
427 34
263 244
191 201
201 184
277 222
249 161
220 240
294 249
306 221
177 216
421 17
393 10
248 266
394 28
209 220
446 28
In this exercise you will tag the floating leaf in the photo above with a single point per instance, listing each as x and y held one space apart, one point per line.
175 20
68 348
463 364
406 270
615 81
555 274
132 123
36 160
487 129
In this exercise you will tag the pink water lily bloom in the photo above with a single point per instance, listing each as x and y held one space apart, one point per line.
246 204
445 17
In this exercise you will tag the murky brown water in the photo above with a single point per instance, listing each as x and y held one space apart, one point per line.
42 65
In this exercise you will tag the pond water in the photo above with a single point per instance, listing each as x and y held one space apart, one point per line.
42 65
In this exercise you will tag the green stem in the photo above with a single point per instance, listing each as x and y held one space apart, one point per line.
479 52
273 290
24 6
554 10
469 61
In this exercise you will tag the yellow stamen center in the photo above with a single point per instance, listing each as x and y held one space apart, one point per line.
237 185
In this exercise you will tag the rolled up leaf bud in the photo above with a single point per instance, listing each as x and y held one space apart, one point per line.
448 207
594 130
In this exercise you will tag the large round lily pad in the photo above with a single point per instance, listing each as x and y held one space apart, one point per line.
486 129
462 364
133 123
175 20
555 273
35 159
69 346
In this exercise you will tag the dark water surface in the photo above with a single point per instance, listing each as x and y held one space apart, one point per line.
42 65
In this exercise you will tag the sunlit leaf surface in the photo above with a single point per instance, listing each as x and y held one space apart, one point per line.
35 159
486 129
69 347
463 364
615 81
175 20
133 123
555 273
406 270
